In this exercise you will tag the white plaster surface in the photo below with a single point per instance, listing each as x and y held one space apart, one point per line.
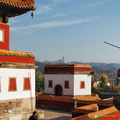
74 83
83 91
59 79
19 74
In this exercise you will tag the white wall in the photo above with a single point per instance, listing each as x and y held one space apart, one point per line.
59 79
87 89
19 74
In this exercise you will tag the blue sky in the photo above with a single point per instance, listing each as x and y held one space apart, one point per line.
75 29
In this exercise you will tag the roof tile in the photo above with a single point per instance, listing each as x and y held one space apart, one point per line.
15 53
92 107
27 4
98 114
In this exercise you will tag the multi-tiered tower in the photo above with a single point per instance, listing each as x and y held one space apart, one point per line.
17 69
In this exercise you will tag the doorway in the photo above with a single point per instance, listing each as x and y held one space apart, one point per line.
58 90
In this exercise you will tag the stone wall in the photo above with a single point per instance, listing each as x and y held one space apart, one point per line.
16 109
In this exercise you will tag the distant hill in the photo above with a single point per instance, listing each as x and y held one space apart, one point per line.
111 73
41 66
60 61
99 68
113 66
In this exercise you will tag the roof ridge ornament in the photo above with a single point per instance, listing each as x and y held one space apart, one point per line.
32 14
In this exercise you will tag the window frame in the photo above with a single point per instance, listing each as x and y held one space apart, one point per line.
50 83
66 84
24 84
9 89
81 84
2 32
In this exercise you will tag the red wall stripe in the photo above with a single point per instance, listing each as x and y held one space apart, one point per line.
82 69
52 69
16 59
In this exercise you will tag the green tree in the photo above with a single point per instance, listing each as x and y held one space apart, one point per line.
103 81
118 87
117 81
103 85
92 79
39 81
104 78
95 90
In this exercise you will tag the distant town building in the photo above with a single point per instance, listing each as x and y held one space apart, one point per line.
68 79
95 84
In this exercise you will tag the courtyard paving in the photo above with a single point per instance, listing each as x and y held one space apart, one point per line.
56 114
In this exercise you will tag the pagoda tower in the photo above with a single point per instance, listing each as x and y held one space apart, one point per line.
17 69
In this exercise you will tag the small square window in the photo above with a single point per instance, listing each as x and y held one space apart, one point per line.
1 36
66 85
82 84
50 84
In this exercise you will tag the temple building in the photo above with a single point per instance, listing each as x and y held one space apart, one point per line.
17 69
68 79
66 83
68 88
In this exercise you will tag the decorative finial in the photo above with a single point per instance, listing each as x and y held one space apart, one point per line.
32 14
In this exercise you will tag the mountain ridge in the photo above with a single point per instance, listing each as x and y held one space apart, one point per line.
110 69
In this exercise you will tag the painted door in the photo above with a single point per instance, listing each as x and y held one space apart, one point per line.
58 90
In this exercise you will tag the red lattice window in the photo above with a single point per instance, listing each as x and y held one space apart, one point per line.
26 84
66 84
82 84
12 84
50 84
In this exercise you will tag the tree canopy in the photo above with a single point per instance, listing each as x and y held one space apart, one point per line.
103 81
104 78
117 81
39 81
